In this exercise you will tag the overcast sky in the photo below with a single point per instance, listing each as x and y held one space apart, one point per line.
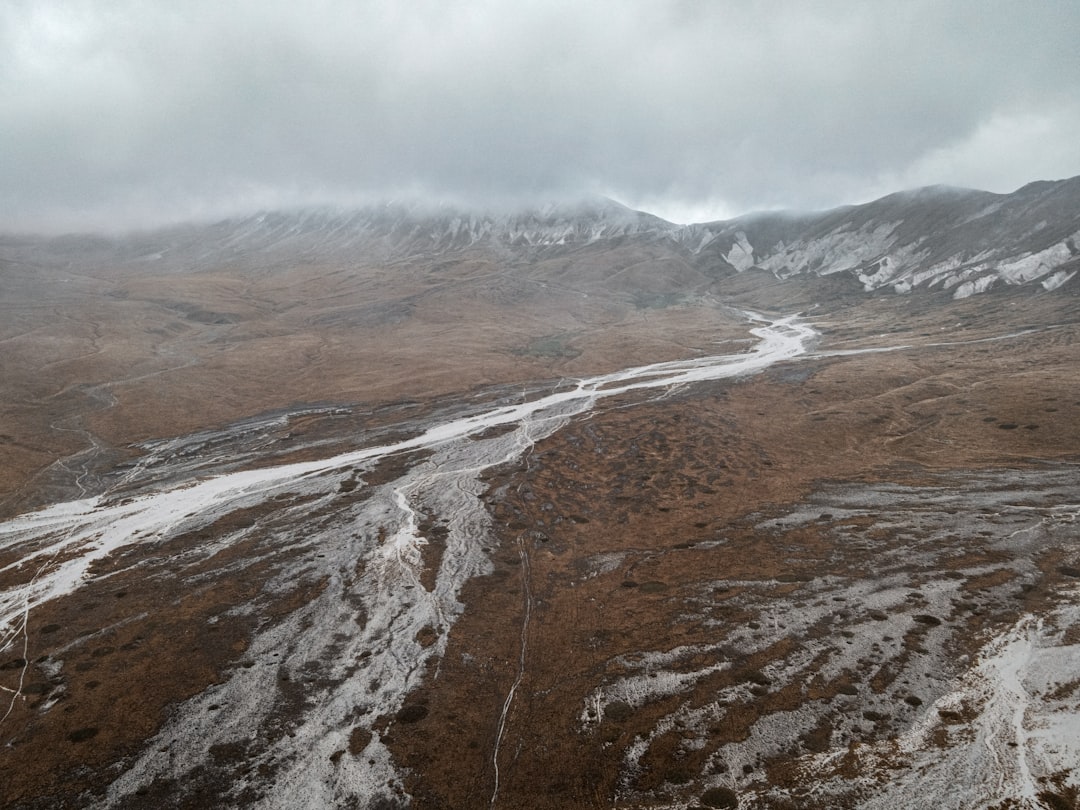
116 113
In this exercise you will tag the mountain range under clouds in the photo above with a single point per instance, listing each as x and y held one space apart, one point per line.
414 506
133 114
937 238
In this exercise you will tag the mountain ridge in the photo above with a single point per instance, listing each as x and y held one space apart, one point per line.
963 241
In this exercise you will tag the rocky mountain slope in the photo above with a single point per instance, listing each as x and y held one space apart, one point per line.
935 238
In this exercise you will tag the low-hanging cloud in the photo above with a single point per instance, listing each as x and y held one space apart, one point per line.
127 113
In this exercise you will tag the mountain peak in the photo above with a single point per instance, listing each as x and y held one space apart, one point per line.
935 238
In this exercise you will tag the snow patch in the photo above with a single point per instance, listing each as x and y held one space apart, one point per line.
741 255
1026 730
1035 265
970 288
1055 280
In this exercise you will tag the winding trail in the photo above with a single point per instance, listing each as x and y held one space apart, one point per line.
526 590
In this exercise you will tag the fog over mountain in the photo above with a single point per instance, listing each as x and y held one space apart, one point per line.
934 238
140 113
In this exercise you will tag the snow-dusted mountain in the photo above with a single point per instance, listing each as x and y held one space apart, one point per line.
937 238
934 238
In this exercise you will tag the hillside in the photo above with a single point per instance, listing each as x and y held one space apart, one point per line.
412 506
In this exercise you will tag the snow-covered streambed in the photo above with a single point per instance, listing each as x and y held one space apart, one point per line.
362 633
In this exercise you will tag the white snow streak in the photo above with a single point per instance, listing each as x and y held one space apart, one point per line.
364 672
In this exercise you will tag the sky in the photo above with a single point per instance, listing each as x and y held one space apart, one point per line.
117 114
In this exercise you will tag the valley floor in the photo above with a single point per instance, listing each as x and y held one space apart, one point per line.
849 579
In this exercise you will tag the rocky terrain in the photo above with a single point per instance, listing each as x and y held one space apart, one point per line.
565 508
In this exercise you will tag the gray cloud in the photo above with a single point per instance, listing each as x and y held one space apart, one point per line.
117 112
